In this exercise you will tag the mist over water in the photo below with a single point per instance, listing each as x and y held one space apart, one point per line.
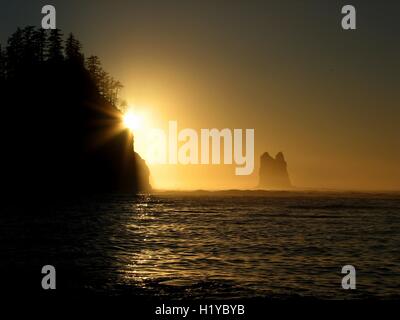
214 245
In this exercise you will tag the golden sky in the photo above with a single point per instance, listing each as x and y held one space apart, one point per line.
327 98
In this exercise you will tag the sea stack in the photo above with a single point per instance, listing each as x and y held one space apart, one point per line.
273 172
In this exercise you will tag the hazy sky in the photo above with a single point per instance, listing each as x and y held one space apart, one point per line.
328 98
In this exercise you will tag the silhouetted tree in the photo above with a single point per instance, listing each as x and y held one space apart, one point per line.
115 88
14 53
55 46
29 47
108 87
104 84
30 55
73 50
93 65
40 41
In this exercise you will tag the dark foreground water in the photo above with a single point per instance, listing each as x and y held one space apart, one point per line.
210 245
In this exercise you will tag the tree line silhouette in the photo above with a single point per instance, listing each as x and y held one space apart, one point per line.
29 47
61 129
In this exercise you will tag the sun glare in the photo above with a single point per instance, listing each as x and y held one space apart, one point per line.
133 121
147 141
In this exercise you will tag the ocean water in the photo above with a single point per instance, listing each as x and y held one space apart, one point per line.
216 245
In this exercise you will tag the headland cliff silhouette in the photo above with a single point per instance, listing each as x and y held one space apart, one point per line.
61 129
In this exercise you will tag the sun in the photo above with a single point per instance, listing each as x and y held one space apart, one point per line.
133 121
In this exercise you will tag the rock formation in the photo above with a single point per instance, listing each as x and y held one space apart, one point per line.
273 172
143 179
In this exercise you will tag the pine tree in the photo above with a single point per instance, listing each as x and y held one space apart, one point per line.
97 73
104 84
40 39
14 53
29 54
29 47
55 47
114 90
108 87
94 67
73 50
